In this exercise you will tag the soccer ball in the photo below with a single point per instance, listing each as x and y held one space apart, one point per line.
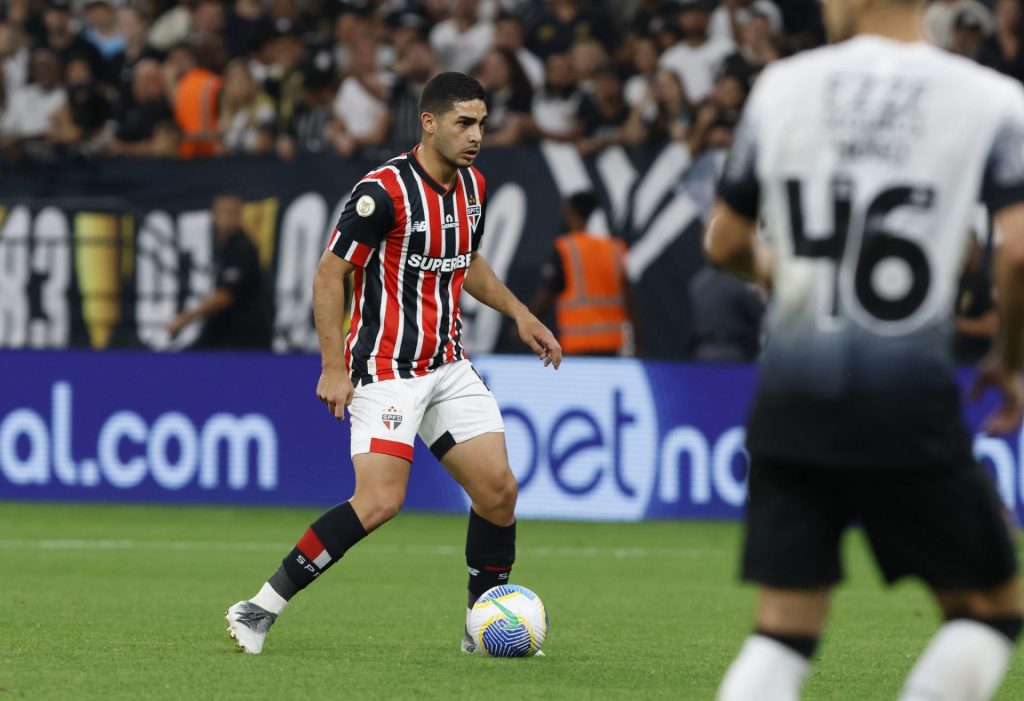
509 621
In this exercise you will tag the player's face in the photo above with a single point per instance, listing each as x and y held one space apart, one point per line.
459 132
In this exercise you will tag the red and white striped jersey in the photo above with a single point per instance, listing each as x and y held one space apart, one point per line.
411 241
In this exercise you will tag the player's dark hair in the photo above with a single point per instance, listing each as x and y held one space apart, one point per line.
445 89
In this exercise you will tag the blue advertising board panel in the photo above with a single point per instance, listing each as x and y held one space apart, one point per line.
597 440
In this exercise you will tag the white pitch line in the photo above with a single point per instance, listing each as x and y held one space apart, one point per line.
371 549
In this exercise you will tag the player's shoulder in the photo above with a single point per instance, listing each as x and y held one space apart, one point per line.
967 74
796 64
384 178
797 69
394 165
380 191
1000 87
772 81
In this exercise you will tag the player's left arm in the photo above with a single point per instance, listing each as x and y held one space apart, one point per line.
731 243
1003 193
484 285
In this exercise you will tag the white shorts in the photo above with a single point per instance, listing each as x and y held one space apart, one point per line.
449 406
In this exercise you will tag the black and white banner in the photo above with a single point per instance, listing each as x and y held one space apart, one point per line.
106 254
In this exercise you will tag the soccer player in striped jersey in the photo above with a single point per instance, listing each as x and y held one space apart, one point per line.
866 160
411 234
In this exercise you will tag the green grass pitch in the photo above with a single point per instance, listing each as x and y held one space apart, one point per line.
127 602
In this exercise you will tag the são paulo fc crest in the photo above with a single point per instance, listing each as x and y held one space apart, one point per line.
473 213
392 418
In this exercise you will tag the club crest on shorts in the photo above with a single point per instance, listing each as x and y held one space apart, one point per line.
392 418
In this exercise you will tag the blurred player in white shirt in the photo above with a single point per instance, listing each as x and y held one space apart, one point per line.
866 160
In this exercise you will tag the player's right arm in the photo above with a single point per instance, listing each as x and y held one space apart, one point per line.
365 221
335 386
1003 192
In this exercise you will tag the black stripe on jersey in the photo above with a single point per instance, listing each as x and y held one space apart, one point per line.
370 320
472 196
444 280
476 232
460 353
410 276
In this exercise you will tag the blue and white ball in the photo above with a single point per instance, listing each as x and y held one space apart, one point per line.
509 621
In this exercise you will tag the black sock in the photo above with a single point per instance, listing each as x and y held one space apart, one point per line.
321 546
804 645
490 552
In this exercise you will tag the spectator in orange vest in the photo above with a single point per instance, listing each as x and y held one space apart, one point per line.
197 98
587 283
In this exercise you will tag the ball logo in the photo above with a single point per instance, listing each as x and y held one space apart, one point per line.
392 418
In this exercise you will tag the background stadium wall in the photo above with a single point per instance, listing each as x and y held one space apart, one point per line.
599 440
105 253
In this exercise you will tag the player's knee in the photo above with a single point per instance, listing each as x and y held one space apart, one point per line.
498 499
390 506
506 493
380 509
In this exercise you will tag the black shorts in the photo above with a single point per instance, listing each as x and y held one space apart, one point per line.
944 524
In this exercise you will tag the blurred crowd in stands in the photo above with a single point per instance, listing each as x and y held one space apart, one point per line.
207 77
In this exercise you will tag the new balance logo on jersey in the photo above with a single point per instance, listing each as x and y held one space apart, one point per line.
443 265
419 227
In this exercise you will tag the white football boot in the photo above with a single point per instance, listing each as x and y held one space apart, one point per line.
468 644
248 625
